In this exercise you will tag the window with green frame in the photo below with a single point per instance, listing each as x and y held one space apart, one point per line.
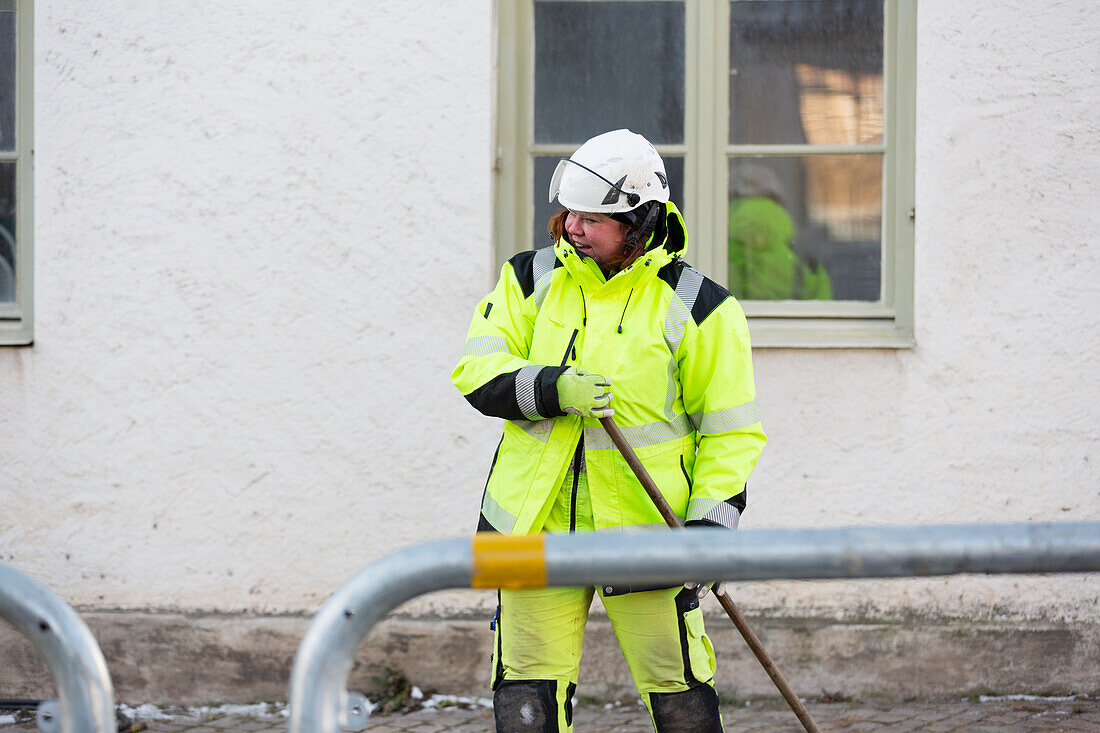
787 131
16 311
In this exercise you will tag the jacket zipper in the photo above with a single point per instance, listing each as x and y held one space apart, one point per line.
624 309
578 457
578 454
684 469
569 348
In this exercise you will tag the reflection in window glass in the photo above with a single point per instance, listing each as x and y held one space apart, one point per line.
544 169
805 227
806 72
7 232
595 70
7 80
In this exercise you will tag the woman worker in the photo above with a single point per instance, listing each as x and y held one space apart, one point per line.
612 299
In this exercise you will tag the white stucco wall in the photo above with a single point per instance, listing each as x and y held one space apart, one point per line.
260 229
260 232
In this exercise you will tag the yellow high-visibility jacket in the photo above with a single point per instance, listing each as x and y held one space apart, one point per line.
674 344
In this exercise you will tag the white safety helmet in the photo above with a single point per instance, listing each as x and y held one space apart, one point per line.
613 172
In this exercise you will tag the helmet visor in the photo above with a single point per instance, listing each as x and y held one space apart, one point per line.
577 187
555 180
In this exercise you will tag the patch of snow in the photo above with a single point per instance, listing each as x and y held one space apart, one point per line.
5 719
149 712
445 701
258 710
416 693
1030 698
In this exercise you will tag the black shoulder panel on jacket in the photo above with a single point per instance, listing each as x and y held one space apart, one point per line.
710 294
670 273
523 265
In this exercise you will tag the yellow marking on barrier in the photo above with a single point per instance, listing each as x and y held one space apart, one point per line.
501 561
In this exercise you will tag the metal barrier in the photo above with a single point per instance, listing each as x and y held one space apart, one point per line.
86 699
320 702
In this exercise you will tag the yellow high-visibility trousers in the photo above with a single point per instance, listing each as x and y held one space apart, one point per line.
539 632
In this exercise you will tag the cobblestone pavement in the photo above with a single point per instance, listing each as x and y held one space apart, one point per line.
1016 713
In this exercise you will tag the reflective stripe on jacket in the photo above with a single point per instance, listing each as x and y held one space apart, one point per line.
676 347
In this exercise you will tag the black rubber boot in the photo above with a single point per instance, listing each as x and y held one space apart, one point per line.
529 706
690 711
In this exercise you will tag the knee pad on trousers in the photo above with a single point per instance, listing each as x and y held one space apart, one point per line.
690 711
530 705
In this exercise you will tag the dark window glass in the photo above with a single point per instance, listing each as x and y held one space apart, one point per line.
806 72
806 227
7 232
7 80
544 169
601 66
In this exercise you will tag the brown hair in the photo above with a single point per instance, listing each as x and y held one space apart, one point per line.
556 225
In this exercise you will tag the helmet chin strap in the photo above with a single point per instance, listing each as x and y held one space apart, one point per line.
638 235
642 221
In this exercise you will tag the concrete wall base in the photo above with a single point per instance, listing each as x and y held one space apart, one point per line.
168 658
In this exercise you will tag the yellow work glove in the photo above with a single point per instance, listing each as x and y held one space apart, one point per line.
584 394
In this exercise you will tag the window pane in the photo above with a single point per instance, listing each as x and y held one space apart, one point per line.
601 66
7 232
805 227
806 72
544 169
7 80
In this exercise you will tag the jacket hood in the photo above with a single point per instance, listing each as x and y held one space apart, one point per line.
670 234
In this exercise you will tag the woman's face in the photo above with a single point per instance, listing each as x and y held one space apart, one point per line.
597 236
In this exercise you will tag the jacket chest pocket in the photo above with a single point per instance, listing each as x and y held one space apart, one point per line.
553 343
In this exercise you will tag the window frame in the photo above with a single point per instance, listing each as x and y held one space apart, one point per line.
706 152
17 319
